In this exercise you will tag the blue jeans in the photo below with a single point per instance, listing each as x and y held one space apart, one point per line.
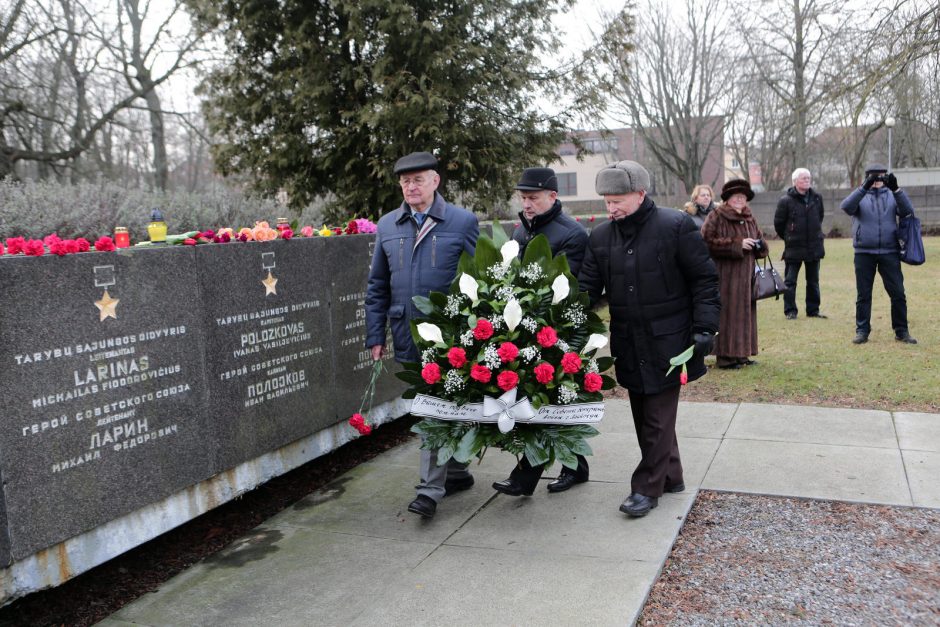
790 275
889 267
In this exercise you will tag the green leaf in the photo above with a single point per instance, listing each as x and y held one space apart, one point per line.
499 234
424 304
536 250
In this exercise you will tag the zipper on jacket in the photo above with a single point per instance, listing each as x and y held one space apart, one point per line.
401 252
434 251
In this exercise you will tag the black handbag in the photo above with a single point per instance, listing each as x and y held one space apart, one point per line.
910 240
766 282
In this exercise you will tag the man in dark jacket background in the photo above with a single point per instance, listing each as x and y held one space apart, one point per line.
662 287
417 247
875 208
542 215
798 222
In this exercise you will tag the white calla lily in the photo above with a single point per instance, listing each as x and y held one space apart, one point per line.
560 288
430 333
595 341
512 314
468 287
509 251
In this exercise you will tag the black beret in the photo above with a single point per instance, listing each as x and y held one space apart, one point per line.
536 179
876 167
737 186
416 162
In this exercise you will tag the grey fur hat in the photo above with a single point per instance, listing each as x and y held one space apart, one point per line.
622 177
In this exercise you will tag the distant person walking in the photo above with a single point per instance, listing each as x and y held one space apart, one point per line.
701 204
417 248
798 222
875 208
735 242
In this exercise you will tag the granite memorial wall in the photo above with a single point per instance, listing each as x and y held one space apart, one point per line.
129 376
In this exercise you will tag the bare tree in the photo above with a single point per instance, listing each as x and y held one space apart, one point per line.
676 88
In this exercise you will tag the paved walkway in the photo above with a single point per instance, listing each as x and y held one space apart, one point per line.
351 555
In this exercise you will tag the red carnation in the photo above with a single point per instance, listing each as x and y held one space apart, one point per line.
593 382
49 239
457 357
188 241
591 219
71 246
83 245
15 245
358 423
546 337
483 330
34 247
684 377
287 233
431 373
352 228
57 247
507 352
544 372
480 373
571 363
507 380
1 248
104 243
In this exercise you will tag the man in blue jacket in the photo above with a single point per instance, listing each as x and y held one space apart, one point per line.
417 248
875 208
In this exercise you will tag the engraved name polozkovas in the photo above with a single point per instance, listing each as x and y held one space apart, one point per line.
268 363
102 376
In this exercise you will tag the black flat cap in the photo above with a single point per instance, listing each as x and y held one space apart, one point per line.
537 179
416 162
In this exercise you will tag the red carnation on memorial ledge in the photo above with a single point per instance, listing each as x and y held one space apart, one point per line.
358 423
544 372
483 330
104 244
507 380
507 352
188 242
83 245
593 382
546 337
571 363
34 247
57 247
457 357
1 248
431 373
15 245
480 373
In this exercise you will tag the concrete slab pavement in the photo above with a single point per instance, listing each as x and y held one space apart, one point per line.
350 554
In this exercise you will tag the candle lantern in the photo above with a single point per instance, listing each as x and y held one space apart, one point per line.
157 227
122 239
282 223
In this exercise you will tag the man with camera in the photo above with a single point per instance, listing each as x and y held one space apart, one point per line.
875 208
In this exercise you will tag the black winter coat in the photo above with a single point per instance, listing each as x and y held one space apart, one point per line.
564 234
662 287
798 222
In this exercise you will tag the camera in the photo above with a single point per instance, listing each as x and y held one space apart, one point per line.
882 177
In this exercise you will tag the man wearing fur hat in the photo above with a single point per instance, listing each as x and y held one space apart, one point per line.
417 248
875 208
542 215
662 288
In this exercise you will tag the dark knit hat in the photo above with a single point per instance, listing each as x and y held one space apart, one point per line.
537 179
623 177
737 186
875 168
416 162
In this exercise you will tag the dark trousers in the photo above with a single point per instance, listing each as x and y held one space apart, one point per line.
889 267
654 417
527 475
790 274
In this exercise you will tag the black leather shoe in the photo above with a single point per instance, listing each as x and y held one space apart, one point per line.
860 338
750 362
458 485
905 337
731 367
565 480
511 487
423 506
675 488
818 315
638 505
791 316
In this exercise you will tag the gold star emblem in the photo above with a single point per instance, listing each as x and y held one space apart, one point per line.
106 306
269 284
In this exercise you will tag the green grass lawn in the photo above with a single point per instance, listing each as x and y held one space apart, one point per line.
810 361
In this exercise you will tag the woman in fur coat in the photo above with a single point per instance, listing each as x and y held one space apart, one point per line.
735 242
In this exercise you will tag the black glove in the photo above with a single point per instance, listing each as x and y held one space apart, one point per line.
870 180
704 342
891 182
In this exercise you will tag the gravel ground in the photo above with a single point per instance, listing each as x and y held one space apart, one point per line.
745 559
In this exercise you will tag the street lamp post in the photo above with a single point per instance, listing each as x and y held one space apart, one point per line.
889 122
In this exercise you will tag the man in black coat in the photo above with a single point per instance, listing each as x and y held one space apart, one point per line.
542 215
798 222
662 288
